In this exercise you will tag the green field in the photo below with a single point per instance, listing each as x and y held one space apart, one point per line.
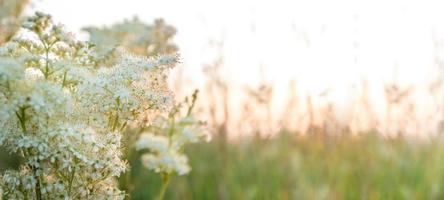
310 167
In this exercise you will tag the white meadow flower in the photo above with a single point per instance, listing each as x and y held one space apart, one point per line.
166 139
167 162
64 111
155 143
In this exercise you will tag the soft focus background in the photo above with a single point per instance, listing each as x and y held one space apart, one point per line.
305 99
332 51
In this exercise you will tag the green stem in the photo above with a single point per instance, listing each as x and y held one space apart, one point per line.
116 121
71 179
22 118
38 192
116 117
47 47
46 73
64 78
165 183
193 102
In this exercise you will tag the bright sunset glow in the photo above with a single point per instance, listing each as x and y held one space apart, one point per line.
221 99
324 45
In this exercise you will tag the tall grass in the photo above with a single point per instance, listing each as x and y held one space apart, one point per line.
308 167
319 157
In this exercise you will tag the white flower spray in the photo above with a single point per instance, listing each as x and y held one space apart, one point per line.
165 139
63 113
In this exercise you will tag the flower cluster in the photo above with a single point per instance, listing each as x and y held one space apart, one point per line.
166 137
136 36
63 111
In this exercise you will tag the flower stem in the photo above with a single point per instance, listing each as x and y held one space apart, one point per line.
165 183
116 118
38 192
22 119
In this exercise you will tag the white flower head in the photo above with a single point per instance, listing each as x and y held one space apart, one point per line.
155 143
64 107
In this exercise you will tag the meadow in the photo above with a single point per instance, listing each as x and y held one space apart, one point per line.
114 118
306 167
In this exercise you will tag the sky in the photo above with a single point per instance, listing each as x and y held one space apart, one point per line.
325 45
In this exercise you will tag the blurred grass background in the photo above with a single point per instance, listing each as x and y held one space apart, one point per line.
326 160
306 167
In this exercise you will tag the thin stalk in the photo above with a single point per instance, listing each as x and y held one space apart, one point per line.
46 73
71 179
116 118
38 192
22 118
193 102
47 47
64 78
165 182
